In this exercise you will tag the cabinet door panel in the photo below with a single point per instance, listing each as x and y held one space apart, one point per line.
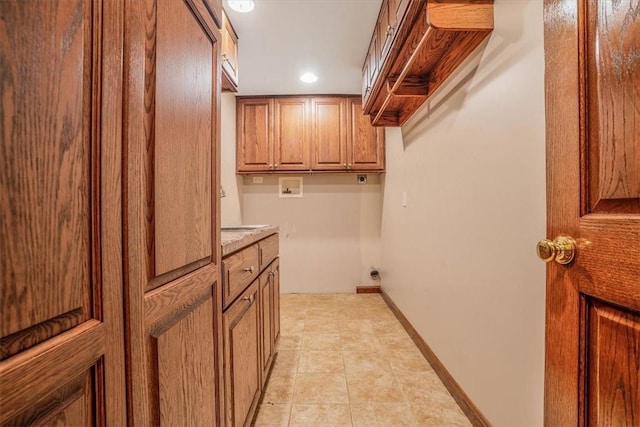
291 134
266 330
254 140
172 229
366 143
275 310
61 352
328 133
242 362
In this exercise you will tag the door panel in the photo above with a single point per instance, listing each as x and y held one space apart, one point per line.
365 146
291 134
593 140
61 346
266 322
173 288
328 133
254 134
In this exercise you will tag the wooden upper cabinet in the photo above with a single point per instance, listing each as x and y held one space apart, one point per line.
328 133
61 340
172 232
365 143
254 135
229 56
291 134
419 45
312 133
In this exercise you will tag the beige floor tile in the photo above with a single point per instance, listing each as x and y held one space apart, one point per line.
382 415
321 388
322 342
325 415
407 360
273 414
319 326
360 342
354 314
436 415
320 362
417 385
291 327
387 327
279 389
361 362
356 326
363 387
319 314
285 363
396 342
290 342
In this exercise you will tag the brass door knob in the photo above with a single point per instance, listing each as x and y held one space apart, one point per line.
562 250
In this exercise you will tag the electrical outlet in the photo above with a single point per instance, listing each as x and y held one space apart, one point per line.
257 180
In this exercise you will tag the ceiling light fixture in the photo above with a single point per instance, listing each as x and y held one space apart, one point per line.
242 6
309 78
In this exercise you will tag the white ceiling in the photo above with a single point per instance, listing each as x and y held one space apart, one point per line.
281 39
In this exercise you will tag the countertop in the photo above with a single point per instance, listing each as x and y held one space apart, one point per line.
234 238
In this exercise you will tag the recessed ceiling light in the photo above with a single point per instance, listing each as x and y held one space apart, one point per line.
309 78
242 6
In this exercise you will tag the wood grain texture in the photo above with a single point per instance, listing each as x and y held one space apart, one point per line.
254 135
612 45
183 139
470 410
614 358
239 270
275 299
291 134
186 377
265 304
229 55
368 290
365 143
428 43
185 93
607 265
242 357
45 182
269 249
328 133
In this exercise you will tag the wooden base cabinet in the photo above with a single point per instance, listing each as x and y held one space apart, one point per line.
270 314
241 324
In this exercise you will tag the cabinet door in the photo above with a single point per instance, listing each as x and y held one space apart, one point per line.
254 138
366 143
385 31
328 134
291 134
61 338
266 306
229 56
242 362
275 299
172 229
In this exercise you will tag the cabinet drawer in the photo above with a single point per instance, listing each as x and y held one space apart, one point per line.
269 248
239 270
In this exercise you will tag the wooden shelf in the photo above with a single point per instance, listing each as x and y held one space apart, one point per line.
438 36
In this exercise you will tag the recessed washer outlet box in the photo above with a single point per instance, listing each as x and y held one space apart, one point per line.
362 179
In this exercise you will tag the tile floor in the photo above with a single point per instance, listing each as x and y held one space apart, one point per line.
345 360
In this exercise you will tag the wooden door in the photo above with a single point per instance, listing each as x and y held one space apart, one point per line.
328 133
229 55
370 70
254 146
385 32
61 337
266 307
593 181
242 361
172 214
365 143
275 310
291 133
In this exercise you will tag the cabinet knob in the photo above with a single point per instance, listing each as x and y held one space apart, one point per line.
349 166
248 269
275 166
250 298
344 165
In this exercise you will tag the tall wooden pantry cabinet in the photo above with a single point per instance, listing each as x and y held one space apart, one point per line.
110 303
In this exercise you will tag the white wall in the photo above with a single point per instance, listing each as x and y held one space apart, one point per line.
459 259
329 238
230 204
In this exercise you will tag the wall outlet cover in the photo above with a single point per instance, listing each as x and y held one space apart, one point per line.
257 180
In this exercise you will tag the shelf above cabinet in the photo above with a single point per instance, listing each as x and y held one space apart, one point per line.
433 39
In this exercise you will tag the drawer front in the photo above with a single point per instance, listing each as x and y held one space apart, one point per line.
269 248
240 269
